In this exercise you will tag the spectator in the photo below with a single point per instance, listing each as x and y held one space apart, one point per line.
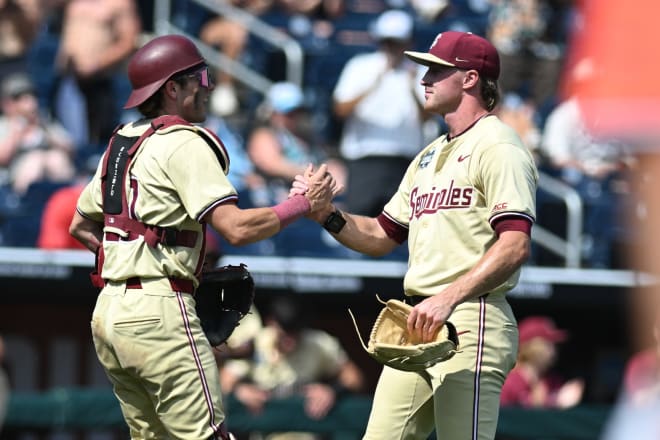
19 24
240 345
594 166
521 116
313 8
315 26
310 22
281 145
56 218
530 36
98 36
311 18
230 37
378 145
58 212
242 173
430 10
32 147
531 383
292 359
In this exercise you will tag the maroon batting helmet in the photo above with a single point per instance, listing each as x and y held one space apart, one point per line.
156 62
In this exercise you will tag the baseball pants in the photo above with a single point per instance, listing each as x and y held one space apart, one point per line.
162 368
459 397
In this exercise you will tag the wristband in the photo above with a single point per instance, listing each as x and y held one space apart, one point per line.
291 209
335 222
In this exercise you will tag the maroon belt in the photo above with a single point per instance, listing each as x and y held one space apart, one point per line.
159 235
178 284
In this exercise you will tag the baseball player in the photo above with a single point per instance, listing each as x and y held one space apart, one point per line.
466 205
161 180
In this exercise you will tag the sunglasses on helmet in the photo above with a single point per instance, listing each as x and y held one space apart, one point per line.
202 75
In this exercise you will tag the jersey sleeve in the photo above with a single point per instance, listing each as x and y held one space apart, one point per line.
509 179
201 182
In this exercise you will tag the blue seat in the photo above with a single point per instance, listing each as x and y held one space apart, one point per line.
21 228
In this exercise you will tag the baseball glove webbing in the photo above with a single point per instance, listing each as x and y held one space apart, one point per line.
391 344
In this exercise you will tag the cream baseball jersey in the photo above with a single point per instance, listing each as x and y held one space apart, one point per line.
450 196
167 189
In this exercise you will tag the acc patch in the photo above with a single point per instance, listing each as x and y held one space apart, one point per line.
500 207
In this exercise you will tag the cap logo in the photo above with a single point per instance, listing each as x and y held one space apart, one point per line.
461 60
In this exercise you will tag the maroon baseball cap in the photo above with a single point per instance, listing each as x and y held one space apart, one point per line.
463 50
540 327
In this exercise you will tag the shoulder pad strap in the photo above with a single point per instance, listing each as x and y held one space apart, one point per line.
217 146
209 137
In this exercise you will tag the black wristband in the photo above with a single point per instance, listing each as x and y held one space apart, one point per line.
335 222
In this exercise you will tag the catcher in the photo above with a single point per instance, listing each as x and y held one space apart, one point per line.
161 181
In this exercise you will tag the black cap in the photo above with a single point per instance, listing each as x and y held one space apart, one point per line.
16 84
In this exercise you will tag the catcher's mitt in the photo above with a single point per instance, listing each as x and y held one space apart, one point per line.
223 298
392 345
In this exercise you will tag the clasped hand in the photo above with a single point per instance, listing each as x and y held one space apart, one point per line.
319 187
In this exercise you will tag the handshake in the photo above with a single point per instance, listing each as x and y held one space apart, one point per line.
320 188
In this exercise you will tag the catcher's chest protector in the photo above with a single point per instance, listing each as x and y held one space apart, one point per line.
116 165
115 170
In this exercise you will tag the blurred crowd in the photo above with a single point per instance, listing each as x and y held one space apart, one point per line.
281 355
63 85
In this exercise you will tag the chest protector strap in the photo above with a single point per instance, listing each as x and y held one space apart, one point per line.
118 214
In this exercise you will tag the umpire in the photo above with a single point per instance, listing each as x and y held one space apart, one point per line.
161 180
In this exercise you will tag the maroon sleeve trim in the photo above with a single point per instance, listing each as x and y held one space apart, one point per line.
396 231
503 224
230 198
88 217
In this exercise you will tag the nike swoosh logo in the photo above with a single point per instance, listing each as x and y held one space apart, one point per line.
461 158
460 60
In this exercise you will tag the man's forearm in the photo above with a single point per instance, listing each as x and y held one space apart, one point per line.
501 261
364 235
86 231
